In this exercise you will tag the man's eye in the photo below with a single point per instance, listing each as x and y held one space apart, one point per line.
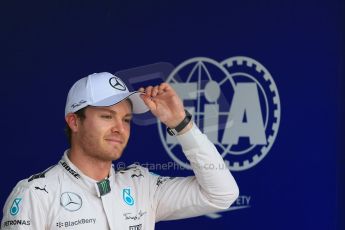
128 120
107 116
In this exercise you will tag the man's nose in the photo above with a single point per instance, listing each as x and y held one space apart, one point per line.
117 126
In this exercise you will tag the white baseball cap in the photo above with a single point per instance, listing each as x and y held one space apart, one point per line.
101 89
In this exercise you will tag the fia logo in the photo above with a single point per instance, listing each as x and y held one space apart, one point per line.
126 196
15 206
235 103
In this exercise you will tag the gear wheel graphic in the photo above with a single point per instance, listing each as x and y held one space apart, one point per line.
245 67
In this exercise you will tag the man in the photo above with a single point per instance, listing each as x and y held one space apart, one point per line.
83 191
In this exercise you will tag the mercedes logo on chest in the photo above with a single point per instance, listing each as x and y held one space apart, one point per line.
117 83
71 201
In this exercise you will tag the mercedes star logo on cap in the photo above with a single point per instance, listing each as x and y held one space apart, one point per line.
70 201
117 83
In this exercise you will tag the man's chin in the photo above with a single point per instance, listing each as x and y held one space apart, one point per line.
116 155
110 155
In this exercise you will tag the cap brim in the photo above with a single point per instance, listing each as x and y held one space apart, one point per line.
138 103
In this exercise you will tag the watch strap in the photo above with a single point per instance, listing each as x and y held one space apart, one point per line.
181 126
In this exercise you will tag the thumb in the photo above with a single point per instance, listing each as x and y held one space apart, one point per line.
148 102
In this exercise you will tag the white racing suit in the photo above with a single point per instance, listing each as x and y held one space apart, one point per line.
62 197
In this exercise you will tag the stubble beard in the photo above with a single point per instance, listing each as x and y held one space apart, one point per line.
101 152
107 155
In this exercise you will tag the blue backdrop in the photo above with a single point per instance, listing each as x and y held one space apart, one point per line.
46 46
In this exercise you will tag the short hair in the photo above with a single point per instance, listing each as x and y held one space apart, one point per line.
81 114
68 132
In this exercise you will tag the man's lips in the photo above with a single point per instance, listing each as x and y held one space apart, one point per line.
114 140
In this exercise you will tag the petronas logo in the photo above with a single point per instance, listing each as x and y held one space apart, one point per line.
15 206
126 195
104 187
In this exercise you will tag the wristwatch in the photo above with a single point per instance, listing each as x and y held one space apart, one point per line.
182 125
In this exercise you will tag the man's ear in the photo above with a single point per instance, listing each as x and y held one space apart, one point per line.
72 121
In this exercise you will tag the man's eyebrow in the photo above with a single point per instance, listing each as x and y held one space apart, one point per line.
114 112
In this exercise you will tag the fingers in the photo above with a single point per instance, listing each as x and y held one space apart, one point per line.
164 87
148 102
161 88
148 90
153 91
